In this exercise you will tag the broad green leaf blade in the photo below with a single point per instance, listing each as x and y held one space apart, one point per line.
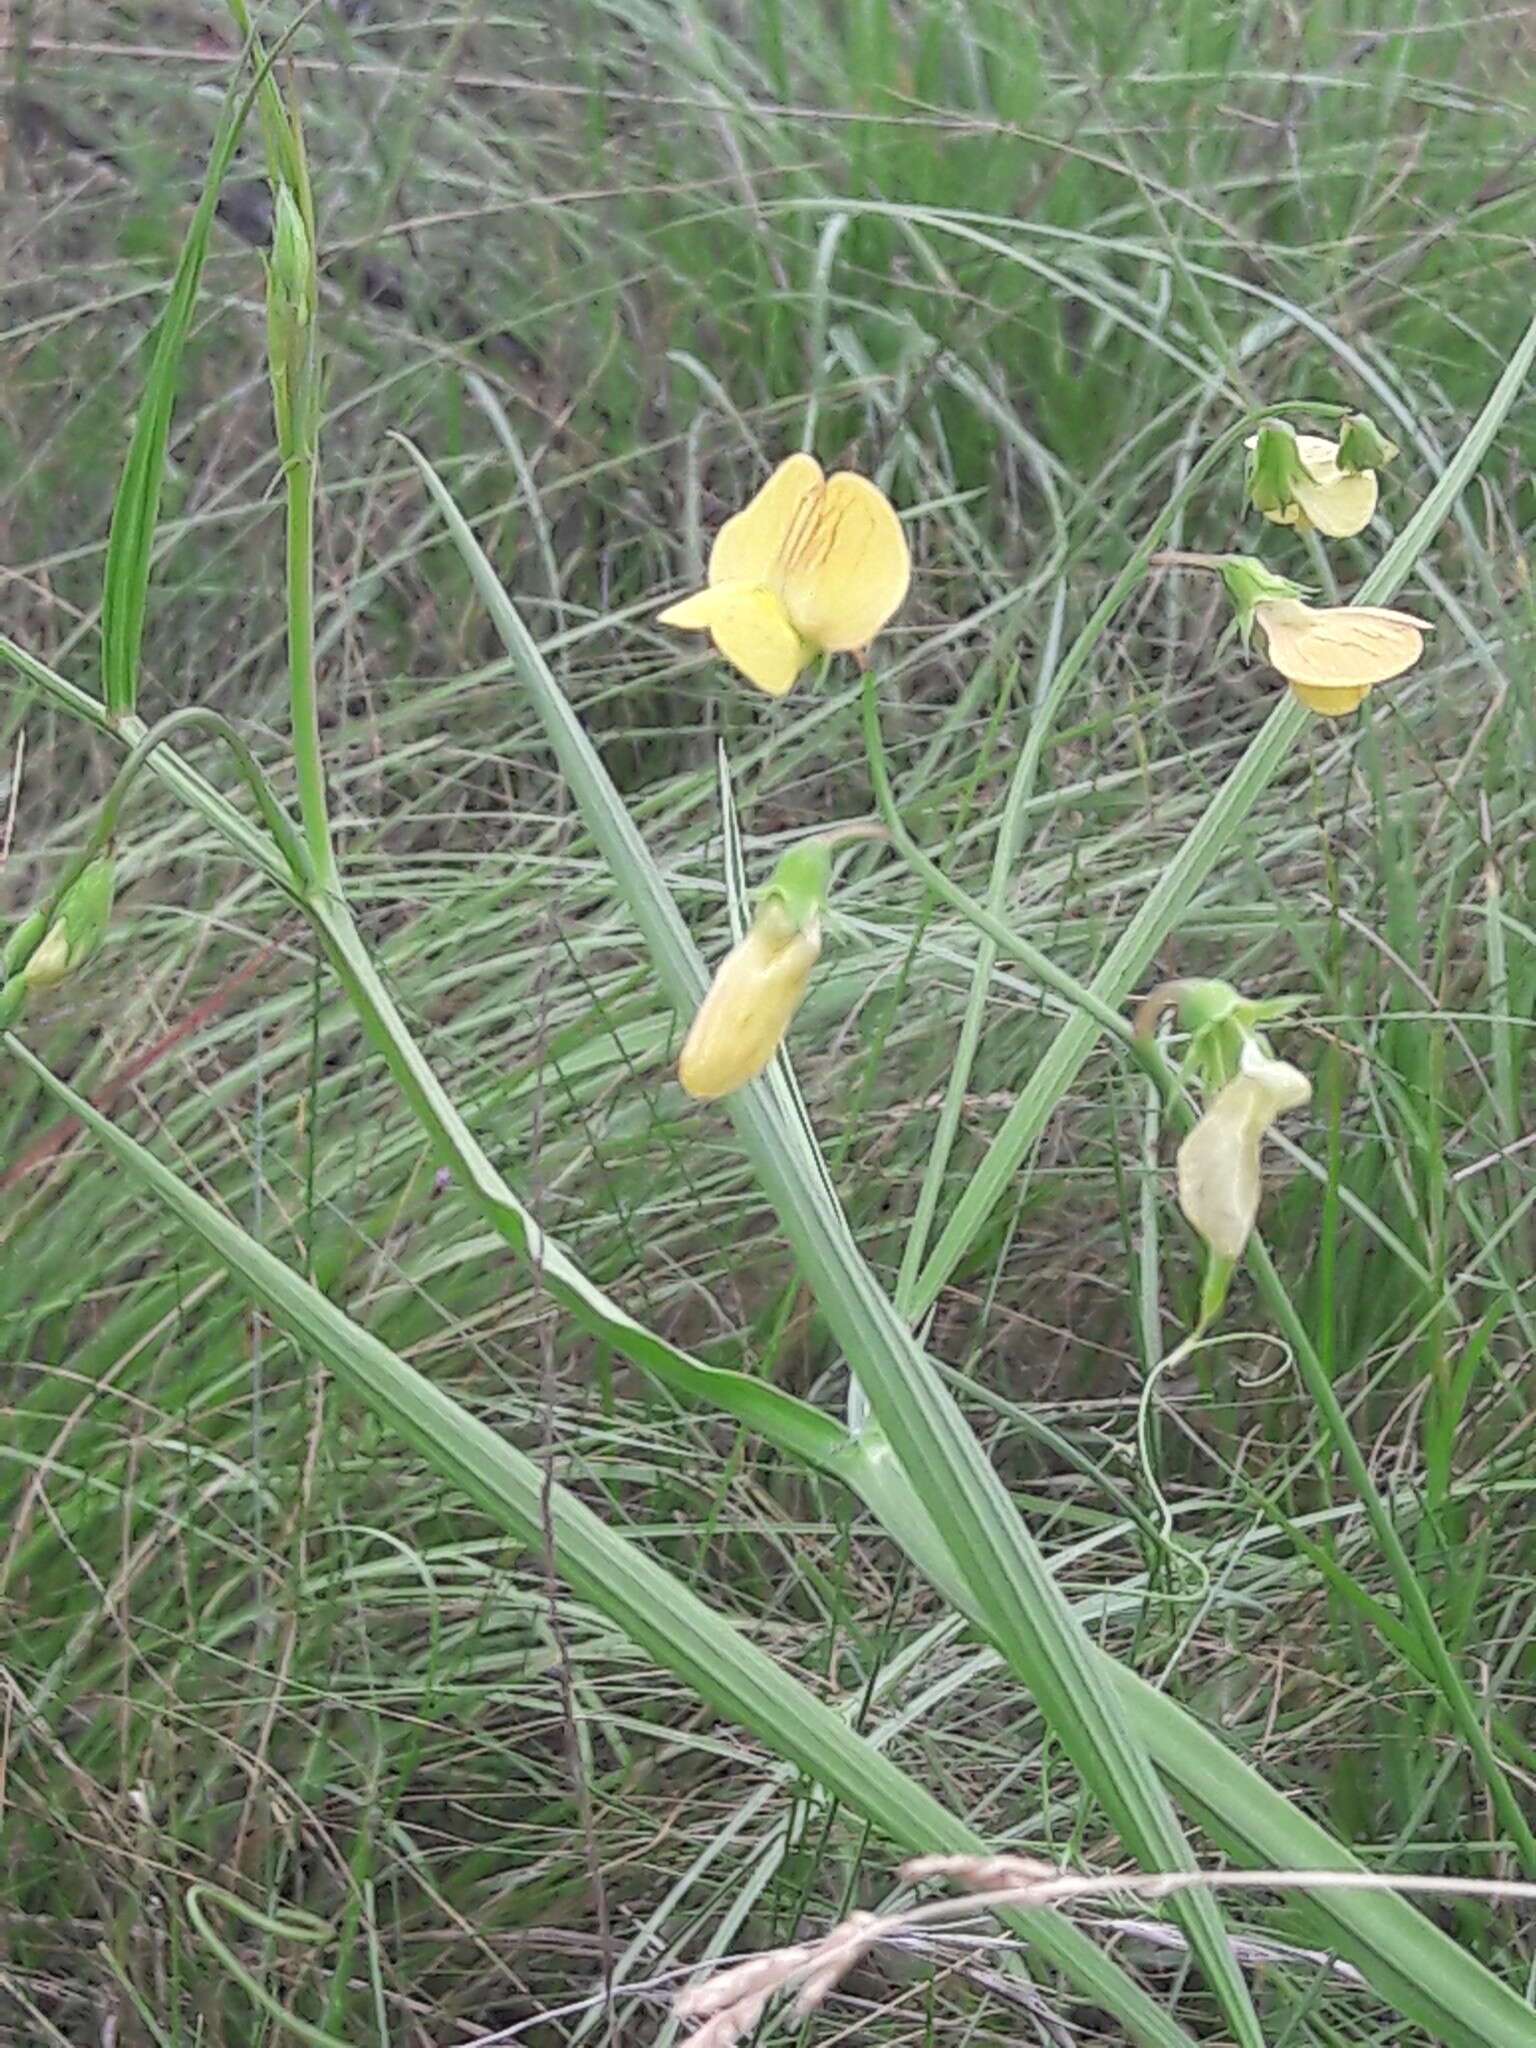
1176 888
1025 1611
656 1610
136 509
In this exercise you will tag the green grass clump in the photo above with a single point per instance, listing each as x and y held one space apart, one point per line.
288 1609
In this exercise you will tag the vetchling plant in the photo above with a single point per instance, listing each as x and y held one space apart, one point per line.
815 566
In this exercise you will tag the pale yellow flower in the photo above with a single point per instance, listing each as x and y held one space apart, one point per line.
1218 1163
1333 656
1338 502
756 991
814 565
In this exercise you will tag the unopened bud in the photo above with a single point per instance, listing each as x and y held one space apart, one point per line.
77 930
291 266
757 989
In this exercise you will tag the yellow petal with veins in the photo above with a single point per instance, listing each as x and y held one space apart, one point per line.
847 567
1339 647
750 547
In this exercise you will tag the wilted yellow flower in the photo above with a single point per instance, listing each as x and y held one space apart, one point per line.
1301 483
1218 1163
756 991
814 565
1334 655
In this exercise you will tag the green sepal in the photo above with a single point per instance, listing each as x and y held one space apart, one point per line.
1250 584
87 907
24 941
801 882
1221 1023
1275 468
1362 445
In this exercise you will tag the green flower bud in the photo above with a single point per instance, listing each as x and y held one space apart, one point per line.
291 266
77 930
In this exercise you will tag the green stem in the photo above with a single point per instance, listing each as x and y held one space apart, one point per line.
309 762
251 844
278 823
292 1926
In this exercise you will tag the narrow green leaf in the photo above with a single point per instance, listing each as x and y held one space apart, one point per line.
655 1609
136 508
1026 1613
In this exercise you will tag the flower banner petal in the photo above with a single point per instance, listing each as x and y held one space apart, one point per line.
848 567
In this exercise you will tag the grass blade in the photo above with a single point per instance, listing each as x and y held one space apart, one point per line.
136 508
655 1609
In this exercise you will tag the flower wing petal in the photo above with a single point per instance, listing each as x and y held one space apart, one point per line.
750 547
752 630
1341 506
848 566
692 613
750 627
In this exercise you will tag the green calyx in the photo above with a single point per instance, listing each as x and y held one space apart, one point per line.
1275 468
1221 1023
1362 445
1250 584
801 882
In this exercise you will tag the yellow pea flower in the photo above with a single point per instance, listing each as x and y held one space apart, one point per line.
1333 656
1218 1163
814 565
1298 480
756 991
